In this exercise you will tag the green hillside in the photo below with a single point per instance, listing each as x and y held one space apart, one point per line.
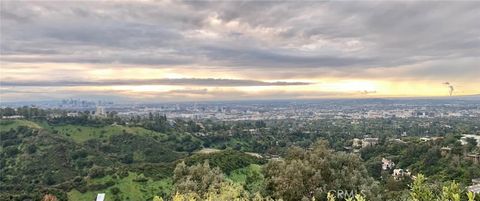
73 158
77 158
76 162
132 187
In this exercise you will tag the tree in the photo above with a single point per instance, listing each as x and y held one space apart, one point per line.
49 179
11 151
197 179
451 192
228 191
96 172
157 198
471 143
115 190
312 173
471 196
420 191
31 149
200 182
254 181
357 197
185 197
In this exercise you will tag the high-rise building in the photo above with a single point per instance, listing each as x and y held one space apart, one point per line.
100 112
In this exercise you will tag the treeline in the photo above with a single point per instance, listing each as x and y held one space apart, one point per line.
37 161
44 159
426 158
304 174
27 112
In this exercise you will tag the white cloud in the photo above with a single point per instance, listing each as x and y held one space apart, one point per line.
253 40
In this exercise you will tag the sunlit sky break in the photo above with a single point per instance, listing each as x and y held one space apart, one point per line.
236 50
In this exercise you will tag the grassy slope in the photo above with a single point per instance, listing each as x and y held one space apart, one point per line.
79 133
129 189
6 125
240 175
83 133
132 190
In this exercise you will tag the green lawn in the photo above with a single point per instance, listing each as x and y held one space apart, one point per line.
6 125
80 133
207 151
83 133
129 189
240 175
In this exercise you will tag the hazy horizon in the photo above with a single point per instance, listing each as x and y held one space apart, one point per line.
184 51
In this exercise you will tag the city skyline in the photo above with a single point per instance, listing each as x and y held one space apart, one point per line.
204 51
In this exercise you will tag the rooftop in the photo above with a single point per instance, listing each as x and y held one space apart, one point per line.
474 188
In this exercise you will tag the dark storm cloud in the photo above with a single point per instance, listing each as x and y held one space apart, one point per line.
241 35
180 82
269 58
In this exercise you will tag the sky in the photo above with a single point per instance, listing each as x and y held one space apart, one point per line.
238 50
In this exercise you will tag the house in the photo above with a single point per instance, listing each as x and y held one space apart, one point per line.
367 142
398 141
399 174
100 197
200 125
444 151
474 188
54 115
348 149
13 117
356 143
72 114
387 164
475 158
252 131
425 139
254 154
171 122
437 138
100 112
464 141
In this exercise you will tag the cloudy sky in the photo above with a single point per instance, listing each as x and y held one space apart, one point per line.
192 50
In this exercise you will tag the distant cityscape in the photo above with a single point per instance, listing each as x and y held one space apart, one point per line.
271 110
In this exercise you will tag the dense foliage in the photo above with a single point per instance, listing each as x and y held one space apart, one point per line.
305 174
227 161
49 154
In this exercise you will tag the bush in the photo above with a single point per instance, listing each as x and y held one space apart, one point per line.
11 151
115 190
31 149
96 172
